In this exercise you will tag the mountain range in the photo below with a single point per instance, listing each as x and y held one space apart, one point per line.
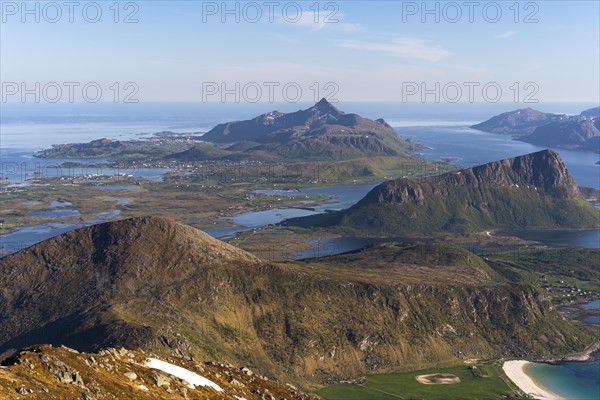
530 191
163 287
579 132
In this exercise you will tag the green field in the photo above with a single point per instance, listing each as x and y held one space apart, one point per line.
483 382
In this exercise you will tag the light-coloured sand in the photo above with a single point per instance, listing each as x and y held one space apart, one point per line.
438 379
515 371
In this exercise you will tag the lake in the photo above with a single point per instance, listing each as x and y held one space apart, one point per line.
340 197
25 236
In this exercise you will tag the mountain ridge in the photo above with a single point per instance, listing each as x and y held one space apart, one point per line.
530 191
44 373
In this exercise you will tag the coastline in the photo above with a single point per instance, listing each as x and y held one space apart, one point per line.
515 371
587 355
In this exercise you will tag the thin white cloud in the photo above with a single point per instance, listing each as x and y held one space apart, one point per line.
534 66
400 47
323 20
507 34
468 68
349 27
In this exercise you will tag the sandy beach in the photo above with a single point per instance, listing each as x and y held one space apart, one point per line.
515 371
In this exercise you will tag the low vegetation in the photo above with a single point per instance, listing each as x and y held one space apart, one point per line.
170 289
478 381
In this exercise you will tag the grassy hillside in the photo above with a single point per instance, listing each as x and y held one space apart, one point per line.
500 208
482 382
530 191
168 288
560 272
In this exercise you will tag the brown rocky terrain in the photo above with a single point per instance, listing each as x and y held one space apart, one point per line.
321 131
44 372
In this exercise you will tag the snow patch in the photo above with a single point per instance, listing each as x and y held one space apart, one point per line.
329 117
239 398
191 378
143 387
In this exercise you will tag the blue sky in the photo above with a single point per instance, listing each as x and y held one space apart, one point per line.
376 51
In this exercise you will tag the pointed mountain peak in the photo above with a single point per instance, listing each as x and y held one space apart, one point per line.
324 106
323 101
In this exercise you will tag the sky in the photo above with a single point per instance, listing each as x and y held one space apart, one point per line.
508 51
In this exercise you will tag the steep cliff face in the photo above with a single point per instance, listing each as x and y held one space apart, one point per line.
534 190
543 170
160 286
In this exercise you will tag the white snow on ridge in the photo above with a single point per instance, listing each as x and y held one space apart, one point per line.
192 378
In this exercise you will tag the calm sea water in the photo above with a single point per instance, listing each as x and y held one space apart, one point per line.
469 147
67 123
570 380
25 128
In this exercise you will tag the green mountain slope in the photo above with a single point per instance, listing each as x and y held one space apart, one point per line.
530 191
164 287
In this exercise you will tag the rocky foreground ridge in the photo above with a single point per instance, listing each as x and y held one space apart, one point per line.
45 372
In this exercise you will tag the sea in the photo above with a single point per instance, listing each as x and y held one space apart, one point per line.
442 128
569 380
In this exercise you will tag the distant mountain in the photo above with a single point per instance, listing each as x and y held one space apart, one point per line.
321 131
579 132
530 191
591 112
572 132
163 287
518 122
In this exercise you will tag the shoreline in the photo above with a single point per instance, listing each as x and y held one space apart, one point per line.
515 371
587 355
